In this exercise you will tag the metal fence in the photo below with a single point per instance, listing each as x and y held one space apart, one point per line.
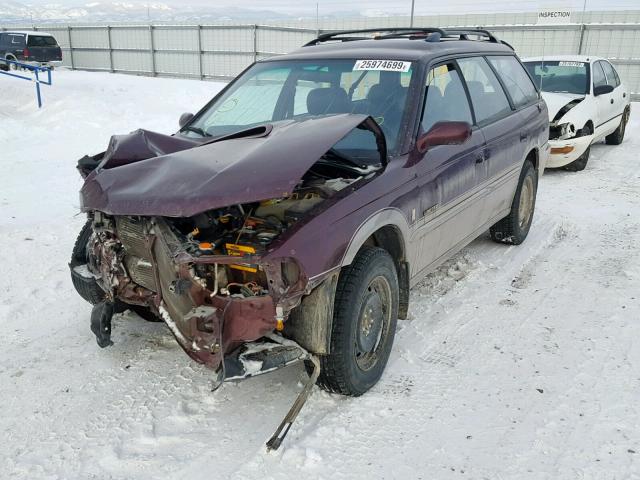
222 51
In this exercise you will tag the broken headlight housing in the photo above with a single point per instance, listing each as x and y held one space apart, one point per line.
562 131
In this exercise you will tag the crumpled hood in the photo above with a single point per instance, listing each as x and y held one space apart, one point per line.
556 101
177 177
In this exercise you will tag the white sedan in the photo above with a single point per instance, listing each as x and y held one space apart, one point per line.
587 102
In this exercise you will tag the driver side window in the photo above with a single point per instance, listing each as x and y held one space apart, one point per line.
446 99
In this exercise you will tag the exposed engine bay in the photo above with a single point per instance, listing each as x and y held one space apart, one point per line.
204 275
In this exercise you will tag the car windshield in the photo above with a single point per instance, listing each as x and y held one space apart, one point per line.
42 41
560 76
282 90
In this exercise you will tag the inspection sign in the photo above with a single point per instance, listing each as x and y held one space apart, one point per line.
554 16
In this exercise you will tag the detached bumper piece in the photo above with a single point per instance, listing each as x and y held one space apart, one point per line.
101 323
257 358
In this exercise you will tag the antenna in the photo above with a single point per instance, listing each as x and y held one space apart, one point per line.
542 63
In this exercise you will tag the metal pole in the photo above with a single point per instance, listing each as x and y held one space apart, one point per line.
38 89
255 43
413 7
70 48
152 51
110 48
200 53
582 26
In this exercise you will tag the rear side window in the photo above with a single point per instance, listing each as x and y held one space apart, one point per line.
16 39
612 77
42 41
446 99
598 75
487 96
515 79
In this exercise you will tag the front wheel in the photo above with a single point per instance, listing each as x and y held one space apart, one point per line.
84 283
364 324
514 228
579 163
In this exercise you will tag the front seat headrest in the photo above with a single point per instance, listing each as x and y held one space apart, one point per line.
328 100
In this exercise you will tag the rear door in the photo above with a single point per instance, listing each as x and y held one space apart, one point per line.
16 43
450 177
43 48
504 131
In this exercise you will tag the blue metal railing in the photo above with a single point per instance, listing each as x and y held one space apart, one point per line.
35 78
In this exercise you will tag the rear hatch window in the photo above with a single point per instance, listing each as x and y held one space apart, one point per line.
42 41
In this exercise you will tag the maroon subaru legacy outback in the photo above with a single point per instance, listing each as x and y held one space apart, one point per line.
288 219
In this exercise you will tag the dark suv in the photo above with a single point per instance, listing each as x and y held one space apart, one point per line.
34 48
288 219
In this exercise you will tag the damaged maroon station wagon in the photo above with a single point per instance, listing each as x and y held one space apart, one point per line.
288 219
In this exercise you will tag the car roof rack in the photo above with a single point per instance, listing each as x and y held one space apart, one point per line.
394 32
429 34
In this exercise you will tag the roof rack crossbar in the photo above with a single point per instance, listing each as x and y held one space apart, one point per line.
464 33
393 33
429 34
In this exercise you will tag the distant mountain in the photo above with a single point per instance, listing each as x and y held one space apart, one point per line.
12 11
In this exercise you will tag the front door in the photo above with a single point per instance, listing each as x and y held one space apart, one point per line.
618 100
605 103
450 177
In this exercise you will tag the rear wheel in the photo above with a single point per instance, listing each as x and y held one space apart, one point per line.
617 136
364 324
514 228
12 66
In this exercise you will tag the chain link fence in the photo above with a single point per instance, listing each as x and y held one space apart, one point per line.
223 51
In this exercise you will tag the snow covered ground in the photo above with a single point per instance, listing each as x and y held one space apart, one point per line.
516 362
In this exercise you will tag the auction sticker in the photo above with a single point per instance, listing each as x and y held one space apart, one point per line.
386 65
571 64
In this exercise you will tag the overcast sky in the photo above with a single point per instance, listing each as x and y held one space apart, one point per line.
423 7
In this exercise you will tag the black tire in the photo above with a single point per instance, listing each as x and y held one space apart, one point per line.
514 228
88 289
579 163
617 136
12 66
364 324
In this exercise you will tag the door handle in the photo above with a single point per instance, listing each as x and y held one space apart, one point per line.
612 101
485 154
523 137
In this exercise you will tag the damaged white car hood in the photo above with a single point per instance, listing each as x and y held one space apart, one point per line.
555 101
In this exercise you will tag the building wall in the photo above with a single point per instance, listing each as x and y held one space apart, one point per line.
222 51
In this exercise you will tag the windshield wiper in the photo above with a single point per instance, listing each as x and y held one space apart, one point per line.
197 130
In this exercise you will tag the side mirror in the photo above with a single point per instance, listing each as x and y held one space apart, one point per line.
444 133
602 89
184 119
